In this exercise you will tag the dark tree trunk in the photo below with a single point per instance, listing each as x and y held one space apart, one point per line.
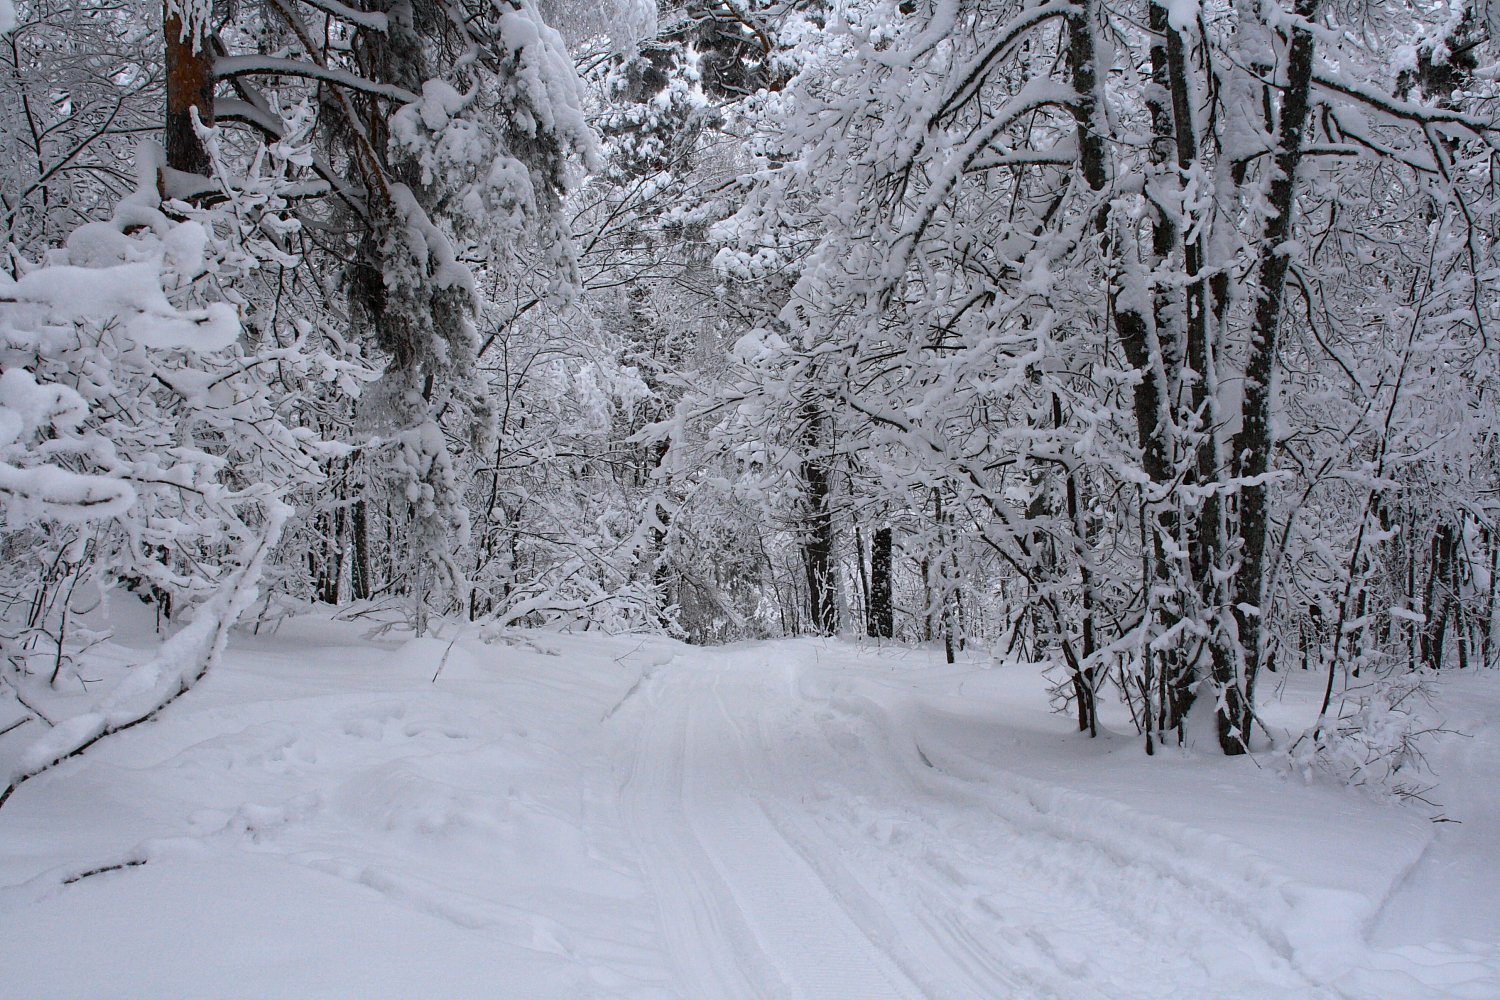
1136 331
1437 602
190 87
359 565
882 614
662 577
817 544
330 566
1253 443
1491 619
926 569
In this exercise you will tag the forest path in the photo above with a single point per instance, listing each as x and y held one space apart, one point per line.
350 816
743 913
797 849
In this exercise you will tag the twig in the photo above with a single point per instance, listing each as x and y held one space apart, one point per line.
132 863
15 691
444 661
17 724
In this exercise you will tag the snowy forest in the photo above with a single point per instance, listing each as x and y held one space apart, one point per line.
1153 344
1148 345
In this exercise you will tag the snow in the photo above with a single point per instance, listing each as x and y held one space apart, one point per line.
29 406
1442 899
545 82
28 410
341 810
1183 15
634 22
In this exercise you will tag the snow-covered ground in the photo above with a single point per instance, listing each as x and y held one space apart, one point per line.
338 812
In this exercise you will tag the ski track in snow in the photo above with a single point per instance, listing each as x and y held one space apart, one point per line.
719 865
737 824
786 840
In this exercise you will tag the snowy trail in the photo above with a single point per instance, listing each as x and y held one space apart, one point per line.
726 878
595 818
791 856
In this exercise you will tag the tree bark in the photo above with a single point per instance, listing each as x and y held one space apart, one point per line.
817 545
359 564
1437 602
190 88
882 615
1253 444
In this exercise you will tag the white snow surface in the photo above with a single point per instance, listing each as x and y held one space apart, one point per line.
338 811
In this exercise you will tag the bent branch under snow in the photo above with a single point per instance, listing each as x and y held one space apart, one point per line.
229 67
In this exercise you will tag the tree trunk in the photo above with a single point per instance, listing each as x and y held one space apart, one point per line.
882 614
1491 623
1253 444
926 570
864 579
190 87
817 545
359 564
662 577
1136 329
1438 600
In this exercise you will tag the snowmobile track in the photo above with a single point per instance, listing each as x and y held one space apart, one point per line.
767 887
717 863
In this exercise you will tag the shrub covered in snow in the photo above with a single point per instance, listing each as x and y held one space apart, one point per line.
142 446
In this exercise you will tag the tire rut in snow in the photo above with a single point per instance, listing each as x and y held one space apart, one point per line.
935 919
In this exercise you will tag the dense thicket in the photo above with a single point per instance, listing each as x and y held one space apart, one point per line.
1151 342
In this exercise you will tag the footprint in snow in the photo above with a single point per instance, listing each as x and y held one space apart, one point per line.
370 723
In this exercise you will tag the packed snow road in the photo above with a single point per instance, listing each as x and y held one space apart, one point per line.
744 915
800 853
340 813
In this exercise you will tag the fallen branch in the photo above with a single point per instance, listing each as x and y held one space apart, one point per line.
133 863
181 662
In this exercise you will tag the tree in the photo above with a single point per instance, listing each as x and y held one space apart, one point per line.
143 446
975 179
78 94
